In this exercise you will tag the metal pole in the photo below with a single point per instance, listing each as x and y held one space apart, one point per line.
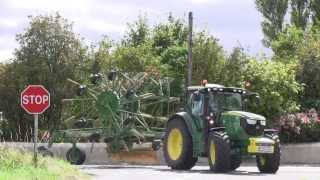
190 50
35 139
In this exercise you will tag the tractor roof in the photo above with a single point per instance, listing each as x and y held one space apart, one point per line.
196 88
217 87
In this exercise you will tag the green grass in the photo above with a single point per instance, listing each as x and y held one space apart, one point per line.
18 165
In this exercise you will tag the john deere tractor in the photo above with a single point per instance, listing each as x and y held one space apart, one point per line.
214 124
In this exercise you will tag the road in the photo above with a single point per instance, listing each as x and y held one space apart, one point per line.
123 172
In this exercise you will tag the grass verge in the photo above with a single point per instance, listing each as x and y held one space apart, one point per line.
18 165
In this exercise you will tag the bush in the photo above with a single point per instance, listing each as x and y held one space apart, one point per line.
300 127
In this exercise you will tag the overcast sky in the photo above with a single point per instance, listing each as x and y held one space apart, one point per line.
234 22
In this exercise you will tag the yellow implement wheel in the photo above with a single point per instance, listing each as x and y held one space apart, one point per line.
175 144
212 152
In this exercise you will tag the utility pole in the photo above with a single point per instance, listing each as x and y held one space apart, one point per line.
189 78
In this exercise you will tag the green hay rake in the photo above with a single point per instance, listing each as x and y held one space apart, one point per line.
119 109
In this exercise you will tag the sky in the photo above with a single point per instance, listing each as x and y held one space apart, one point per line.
233 22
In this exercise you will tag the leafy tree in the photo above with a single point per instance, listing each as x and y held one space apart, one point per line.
275 82
235 66
172 33
273 12
208 59
48 53
296 45
138 32
309 70
300 13
103 60
134 59
173 61
315 8
288 42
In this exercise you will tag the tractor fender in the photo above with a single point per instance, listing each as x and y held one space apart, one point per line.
215 129
195 134
186 118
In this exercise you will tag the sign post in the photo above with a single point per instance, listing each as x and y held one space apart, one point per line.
35 140
35 99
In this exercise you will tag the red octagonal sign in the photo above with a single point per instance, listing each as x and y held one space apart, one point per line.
35 99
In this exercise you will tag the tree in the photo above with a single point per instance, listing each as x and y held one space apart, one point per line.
309 70
275 82
10 88
103 60
173 61
315 8
288 42
301 47
235 66
48 53
172 33
138 32
273 12
208 59
300 13
135 58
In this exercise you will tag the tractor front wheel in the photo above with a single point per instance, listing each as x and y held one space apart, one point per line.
178 146
269 163
219 155
235 162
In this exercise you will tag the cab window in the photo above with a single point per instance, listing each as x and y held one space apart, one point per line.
197 104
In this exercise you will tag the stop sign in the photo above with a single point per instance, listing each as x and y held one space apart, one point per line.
35 99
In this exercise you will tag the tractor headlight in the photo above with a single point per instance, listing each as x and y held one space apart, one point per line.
254 122
251 121
253 127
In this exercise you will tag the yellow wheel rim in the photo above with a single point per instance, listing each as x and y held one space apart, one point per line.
212 152
175 144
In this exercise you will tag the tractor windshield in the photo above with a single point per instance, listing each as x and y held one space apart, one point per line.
225 101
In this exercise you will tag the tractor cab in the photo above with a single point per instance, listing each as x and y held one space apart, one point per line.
211 101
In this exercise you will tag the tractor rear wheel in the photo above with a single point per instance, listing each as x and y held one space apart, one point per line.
219 156
178 146
269 163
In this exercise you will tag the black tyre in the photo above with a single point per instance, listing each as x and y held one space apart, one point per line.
235 162
219 156
76 156
269 163
177 146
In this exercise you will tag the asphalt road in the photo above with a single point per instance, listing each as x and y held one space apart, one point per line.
123 172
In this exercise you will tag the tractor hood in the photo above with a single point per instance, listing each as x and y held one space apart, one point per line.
240 124
247 115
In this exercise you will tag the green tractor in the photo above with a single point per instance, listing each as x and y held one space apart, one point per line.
214 124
